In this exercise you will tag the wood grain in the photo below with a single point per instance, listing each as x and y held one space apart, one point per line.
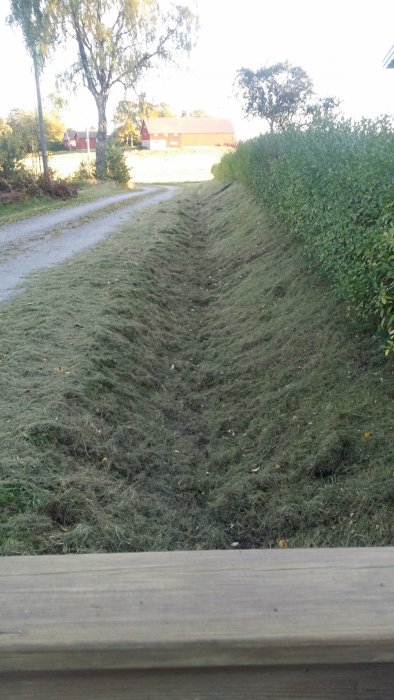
197 609
344 682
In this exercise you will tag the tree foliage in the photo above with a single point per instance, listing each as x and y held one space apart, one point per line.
5 129
129 115
324 110
37 21
36 18
279 94
24 128
11 153
117 41
199 114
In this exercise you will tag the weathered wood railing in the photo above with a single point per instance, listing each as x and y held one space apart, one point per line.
239 625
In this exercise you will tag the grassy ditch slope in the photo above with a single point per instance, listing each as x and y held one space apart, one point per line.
190 384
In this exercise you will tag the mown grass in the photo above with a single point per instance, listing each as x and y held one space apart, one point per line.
32 206
190 384
308 397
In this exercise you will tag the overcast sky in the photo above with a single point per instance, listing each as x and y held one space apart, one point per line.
341 44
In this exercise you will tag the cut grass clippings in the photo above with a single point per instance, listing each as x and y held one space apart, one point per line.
188 384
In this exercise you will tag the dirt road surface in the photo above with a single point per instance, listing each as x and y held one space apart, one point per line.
43 241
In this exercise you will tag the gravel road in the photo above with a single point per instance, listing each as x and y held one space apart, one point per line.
46 240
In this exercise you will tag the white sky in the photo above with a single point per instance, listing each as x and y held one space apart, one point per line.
340 43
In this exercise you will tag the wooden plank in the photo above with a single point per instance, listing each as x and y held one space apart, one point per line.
360 682
197 609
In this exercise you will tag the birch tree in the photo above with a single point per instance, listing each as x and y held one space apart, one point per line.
36 18
117 41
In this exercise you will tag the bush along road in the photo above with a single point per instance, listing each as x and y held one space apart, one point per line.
190 383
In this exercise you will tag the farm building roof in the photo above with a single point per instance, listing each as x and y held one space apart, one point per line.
81 134
189 125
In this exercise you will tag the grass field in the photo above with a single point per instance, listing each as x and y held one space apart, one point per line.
175 165
188 384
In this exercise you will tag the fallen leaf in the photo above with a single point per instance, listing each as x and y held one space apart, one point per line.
282 544
277 466
367 435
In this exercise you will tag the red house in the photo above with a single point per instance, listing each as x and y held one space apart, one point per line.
166 132
78 140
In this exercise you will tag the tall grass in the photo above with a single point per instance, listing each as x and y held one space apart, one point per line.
333 185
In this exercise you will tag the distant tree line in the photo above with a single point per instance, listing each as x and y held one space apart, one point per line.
23 129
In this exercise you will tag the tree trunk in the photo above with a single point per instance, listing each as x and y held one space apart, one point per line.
43 146
101 143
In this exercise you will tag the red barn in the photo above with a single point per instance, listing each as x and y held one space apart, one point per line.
166 132
77 140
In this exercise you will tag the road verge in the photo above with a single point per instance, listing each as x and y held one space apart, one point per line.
189 384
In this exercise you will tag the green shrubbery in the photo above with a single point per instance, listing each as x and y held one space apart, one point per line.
86 172
17 182
55 146
11 169
115 165
333 185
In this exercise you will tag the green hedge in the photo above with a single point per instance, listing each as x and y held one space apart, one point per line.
333 185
